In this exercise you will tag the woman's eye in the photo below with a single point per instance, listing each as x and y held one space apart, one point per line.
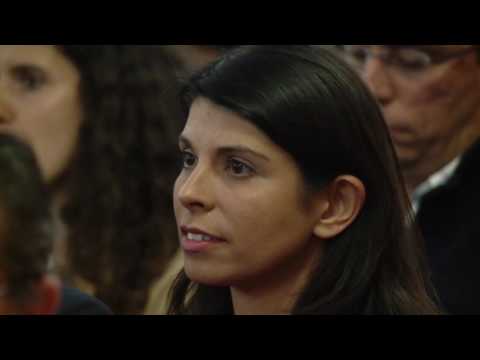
29 78
238 168
189 160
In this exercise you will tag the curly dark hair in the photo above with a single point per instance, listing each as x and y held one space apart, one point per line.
119 213
26 222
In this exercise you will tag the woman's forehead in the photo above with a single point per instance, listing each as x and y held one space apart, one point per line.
219 123
41 54
214 127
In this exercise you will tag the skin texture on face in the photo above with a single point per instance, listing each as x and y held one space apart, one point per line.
434 116
40 102
238 186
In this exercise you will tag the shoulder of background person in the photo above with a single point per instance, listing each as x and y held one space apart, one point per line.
469 167
463 184
158 299
75 302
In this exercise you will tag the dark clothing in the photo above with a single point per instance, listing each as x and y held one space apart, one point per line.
75 302
450 221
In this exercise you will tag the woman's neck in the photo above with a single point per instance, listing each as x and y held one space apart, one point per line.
262 302
278 293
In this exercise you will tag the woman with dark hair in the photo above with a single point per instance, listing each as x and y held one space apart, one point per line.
25 234
290 200
102 120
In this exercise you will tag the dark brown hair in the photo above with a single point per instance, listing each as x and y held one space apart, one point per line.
119 213
26 233
314 107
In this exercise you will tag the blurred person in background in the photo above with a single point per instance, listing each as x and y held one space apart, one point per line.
430 96
27 286
26 235
102 121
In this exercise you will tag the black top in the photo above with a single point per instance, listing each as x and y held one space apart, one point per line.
74 302
450 221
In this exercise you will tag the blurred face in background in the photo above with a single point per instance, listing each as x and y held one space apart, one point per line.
192 58
430 96
40 102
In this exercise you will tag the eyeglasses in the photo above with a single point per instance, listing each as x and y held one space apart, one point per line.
408 60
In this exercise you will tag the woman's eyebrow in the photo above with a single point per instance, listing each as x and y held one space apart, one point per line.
240 149
222 150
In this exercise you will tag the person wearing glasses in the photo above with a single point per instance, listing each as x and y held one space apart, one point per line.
430 96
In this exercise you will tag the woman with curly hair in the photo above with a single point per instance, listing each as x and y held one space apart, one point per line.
102 120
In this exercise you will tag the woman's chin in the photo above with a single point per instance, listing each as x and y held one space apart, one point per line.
208 279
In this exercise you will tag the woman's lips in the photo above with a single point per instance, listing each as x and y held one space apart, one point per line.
194 240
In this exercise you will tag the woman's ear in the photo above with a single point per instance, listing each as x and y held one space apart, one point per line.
341 203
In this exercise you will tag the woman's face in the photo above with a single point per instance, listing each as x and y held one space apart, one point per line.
240 203
40 102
